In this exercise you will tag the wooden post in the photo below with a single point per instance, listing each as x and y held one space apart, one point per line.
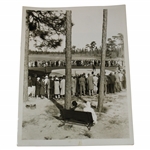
25 83
68 61
102 67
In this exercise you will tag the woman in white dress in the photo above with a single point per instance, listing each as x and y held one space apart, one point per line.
95 81
62 87
89 109
56 88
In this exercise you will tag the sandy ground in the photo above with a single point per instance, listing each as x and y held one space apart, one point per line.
41 123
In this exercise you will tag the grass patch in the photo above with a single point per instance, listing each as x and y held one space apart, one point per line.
52 110
32 121
115 120
104 110
109 100
48 138
68 127
87 134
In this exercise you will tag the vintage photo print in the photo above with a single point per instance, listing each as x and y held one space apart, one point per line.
74 77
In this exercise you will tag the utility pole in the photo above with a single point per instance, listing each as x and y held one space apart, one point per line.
102 67
68 60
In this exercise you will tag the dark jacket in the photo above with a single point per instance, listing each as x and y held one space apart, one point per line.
112 79
29 82
38 86
34 81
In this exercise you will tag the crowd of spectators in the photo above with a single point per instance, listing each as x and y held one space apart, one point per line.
58 63
83 84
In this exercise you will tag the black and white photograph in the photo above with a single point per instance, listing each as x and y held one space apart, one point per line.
74 77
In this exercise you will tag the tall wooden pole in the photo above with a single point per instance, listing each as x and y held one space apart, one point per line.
25 82
102 68
68 60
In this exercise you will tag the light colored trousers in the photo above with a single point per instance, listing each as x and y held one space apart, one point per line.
29 90
33 90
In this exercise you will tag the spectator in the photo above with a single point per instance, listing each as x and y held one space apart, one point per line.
98 82
34 85
73 85
29 86
95 81
47 87
29 63
56 88
120 79
35 63
51 87
112 82
62 87
42 89
124 79
117 85
108 84
105 84
38 86
94 67
82 85
74 105
77 85
89 109
90 84
77 107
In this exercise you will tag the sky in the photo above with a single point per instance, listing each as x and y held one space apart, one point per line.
88 25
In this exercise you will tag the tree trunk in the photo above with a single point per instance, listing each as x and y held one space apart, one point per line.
25 83
102 68
68 61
